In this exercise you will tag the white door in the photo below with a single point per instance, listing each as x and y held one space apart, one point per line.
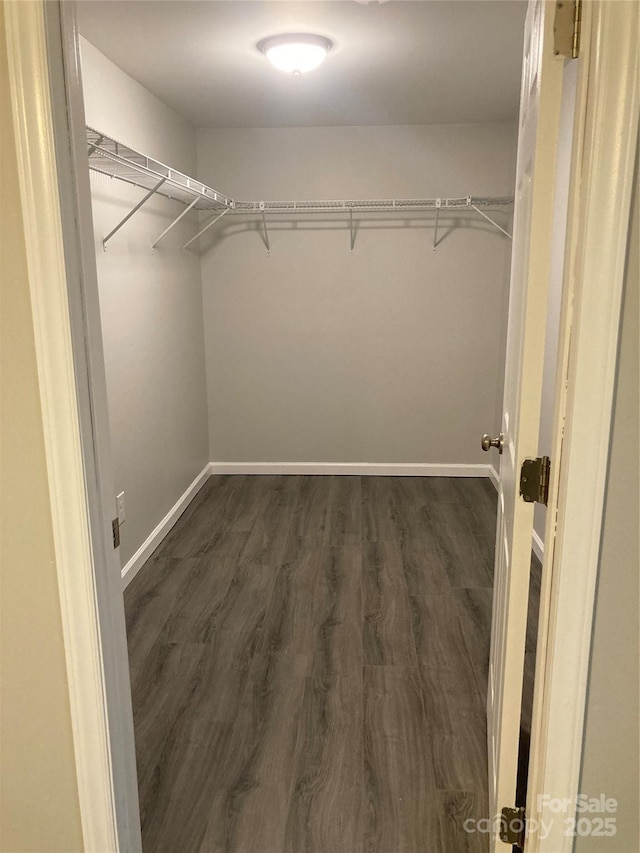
535 182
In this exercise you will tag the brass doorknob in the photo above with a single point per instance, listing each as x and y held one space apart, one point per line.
488 442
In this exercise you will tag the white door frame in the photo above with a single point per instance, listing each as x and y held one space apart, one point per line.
605 139
46 94
598 222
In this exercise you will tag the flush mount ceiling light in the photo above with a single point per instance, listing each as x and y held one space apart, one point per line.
295 53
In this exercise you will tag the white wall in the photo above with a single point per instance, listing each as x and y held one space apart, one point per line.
394 354
611 759
151 308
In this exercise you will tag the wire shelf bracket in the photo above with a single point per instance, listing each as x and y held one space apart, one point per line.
435 230
492 221
135 209
175 222
352 231
206 227
265 230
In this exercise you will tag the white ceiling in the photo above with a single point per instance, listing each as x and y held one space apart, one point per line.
401 62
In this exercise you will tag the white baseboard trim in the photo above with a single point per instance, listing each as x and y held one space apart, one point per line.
131 569
362 469
495 477
537 546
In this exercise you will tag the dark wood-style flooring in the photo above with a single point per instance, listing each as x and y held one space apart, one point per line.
309 662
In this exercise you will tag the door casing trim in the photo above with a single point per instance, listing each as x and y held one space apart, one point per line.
605 138
41 215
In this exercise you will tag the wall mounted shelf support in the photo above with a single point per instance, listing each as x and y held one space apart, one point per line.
206 227
115 230
175 222
264 229
492 221
353 233
435 230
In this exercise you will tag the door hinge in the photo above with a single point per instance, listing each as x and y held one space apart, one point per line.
115 529
566 29
534 480
512 826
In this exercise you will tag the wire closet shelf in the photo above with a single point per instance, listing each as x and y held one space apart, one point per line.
116 160
382 205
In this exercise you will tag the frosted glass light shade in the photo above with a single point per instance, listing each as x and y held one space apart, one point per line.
295 53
